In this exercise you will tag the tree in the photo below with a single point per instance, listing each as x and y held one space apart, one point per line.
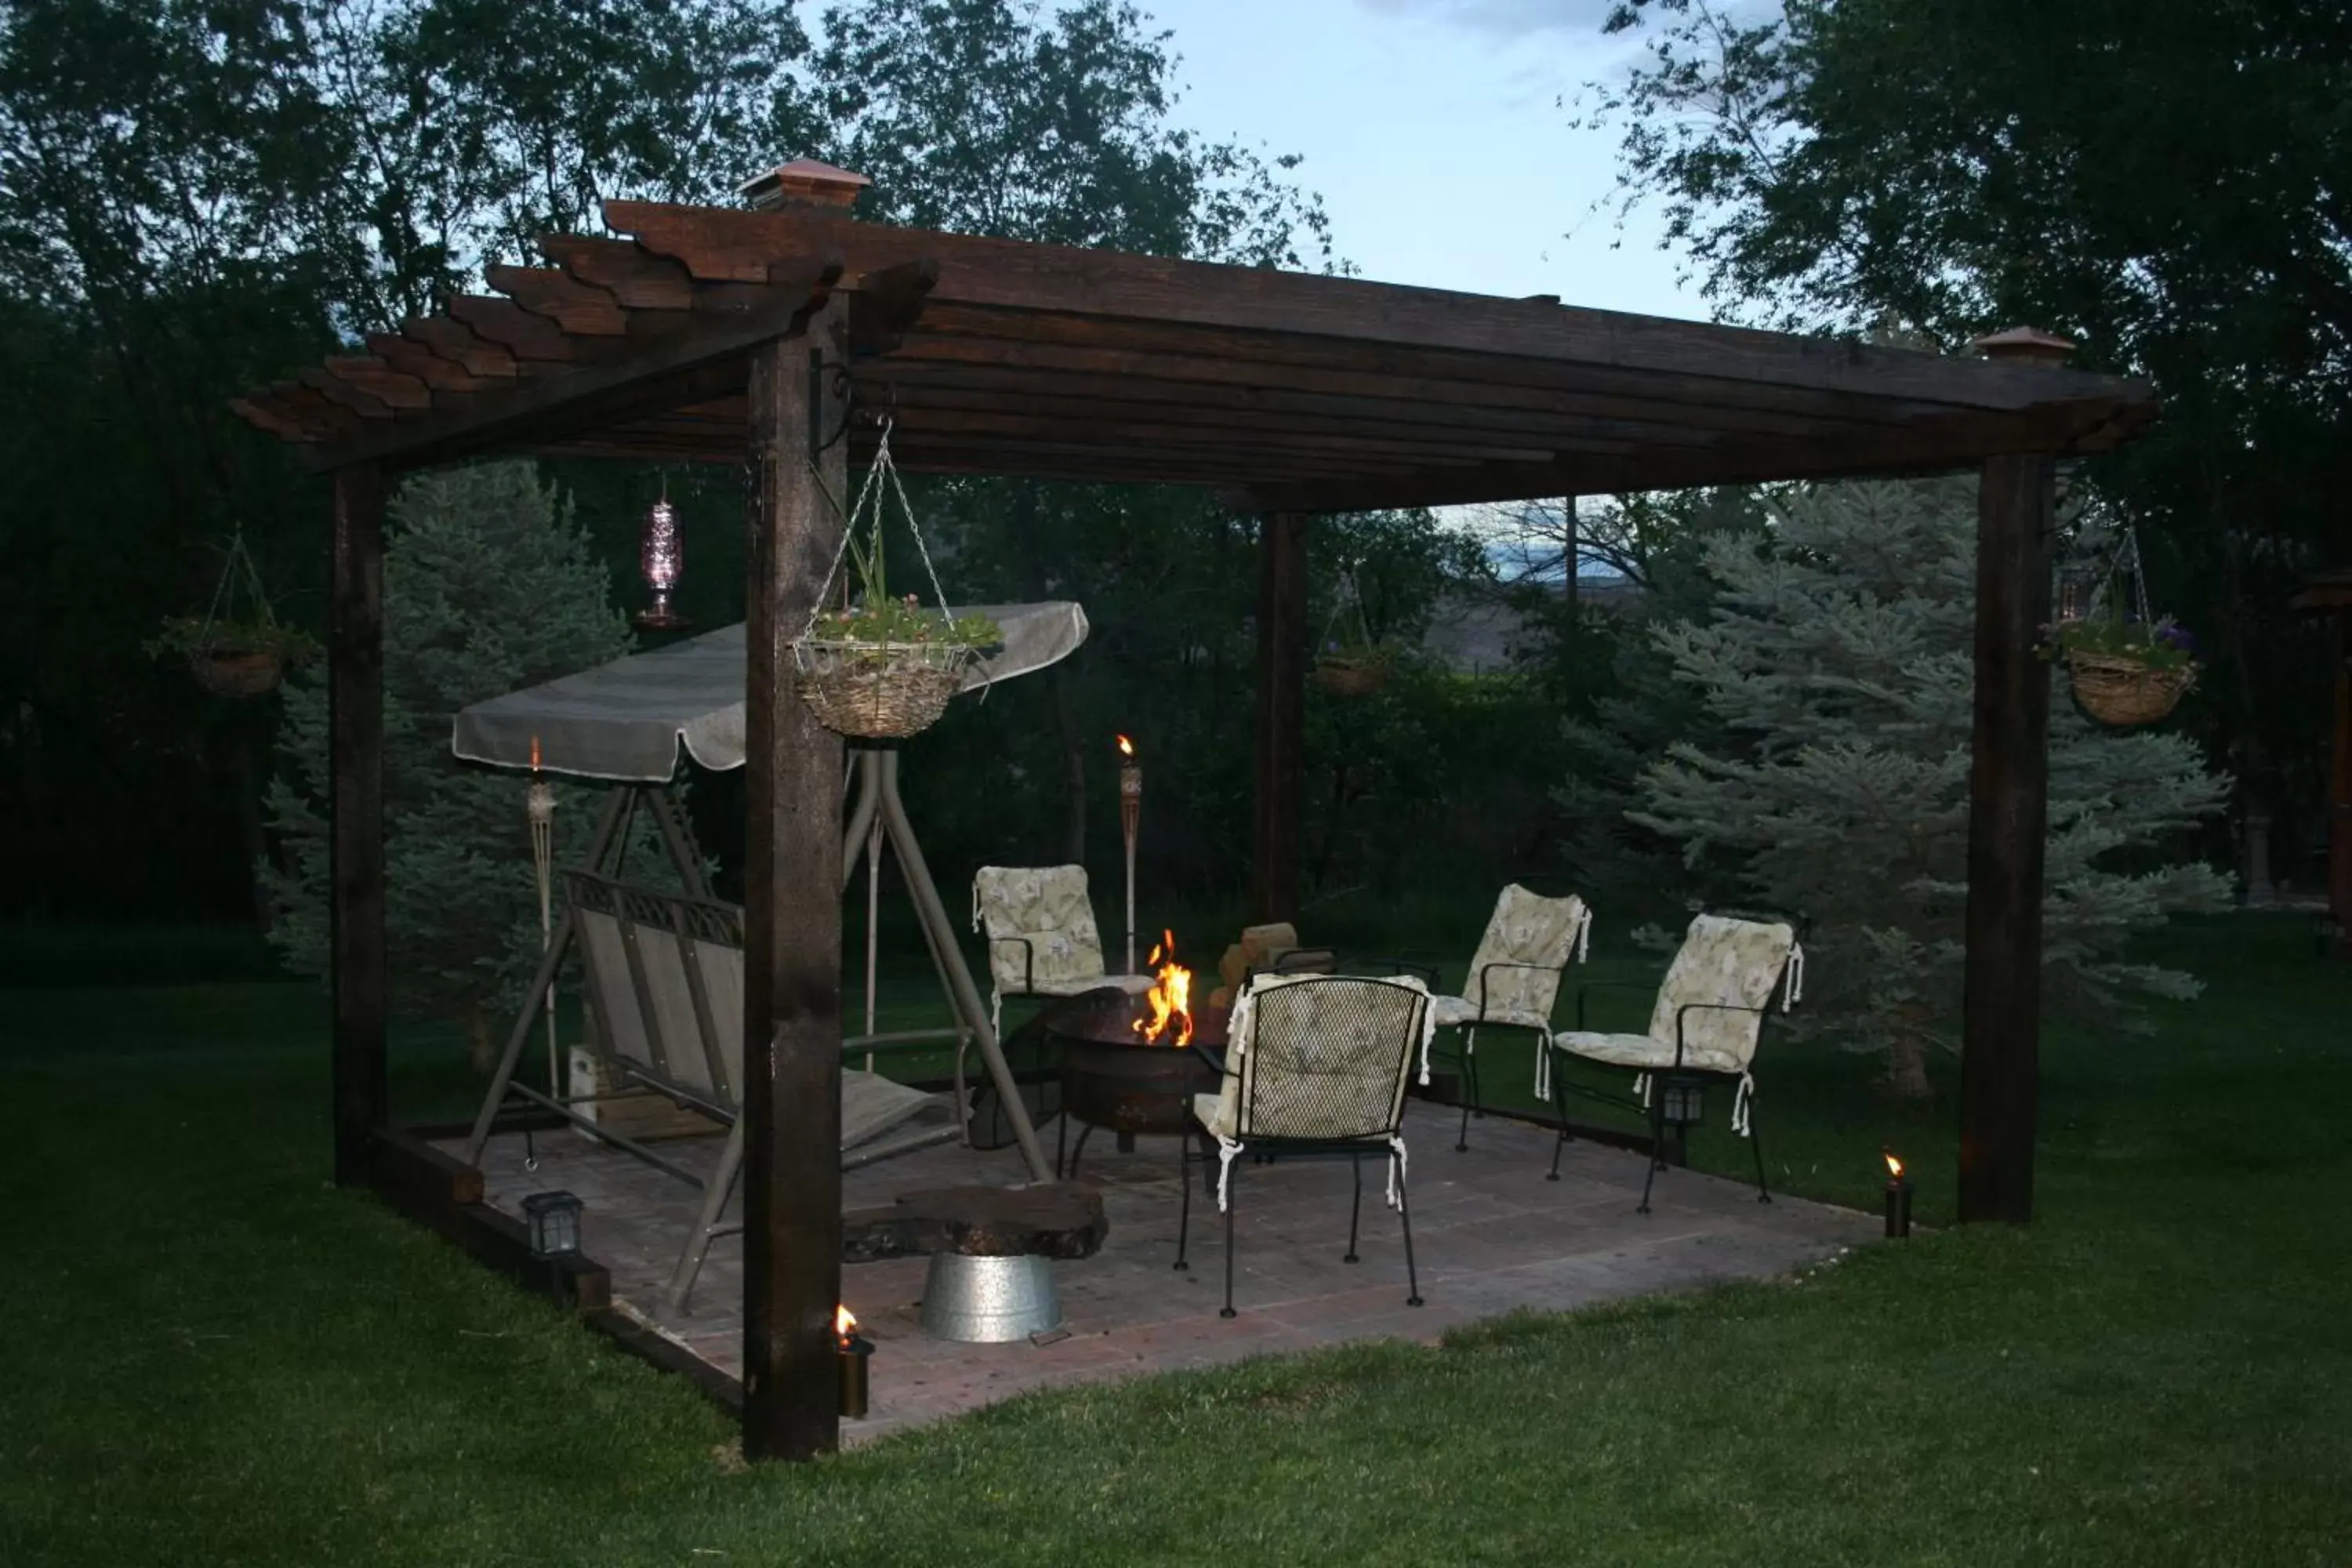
1836 660
488 587
2163 182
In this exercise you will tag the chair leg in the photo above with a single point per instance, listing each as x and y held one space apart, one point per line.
1657 1143
1763 1192
1061 1139
714 1202
1469 1089
1404 1217
1084 1133
1232 1192
1560 1104
1356 1209
1184 1209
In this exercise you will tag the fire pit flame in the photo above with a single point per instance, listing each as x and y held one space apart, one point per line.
1170 996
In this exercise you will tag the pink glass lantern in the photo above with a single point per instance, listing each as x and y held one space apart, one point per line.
661 555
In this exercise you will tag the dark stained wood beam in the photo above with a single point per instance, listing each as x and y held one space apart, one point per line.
336 389
1012 274
2339 790
637 279
355 851
454 340
440 373
393 387
2009 779
792 915
1280 764
581 309
580 400
521 332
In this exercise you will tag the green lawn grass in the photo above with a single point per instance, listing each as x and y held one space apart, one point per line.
215 1357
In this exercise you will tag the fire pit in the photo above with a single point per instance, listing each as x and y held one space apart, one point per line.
1113 1076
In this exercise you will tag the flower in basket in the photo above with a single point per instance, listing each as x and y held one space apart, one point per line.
2160 646
904 620
194 637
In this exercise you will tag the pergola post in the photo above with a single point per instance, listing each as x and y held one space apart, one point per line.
2009 779
2339 793
355 851
1280 771
792 908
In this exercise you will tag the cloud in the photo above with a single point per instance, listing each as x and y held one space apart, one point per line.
1500 19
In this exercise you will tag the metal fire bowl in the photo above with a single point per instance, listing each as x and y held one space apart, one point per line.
989 1300
1112 1077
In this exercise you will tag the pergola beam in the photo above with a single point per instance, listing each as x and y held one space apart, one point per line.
358 970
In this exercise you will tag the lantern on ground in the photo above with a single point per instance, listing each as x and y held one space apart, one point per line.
1681 1102
553 1221
661 556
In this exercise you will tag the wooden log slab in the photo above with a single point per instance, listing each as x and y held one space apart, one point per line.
1058 1219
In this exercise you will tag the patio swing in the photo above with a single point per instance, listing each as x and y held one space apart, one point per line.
662 969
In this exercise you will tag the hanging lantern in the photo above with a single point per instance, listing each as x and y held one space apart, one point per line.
661 555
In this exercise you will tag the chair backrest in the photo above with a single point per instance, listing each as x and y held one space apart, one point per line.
1044 906
665 974
1726 961
1526 930
1325 1055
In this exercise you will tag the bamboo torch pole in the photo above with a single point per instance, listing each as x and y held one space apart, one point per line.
1131 812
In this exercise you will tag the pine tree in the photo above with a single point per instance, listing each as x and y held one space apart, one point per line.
1837 659
489 586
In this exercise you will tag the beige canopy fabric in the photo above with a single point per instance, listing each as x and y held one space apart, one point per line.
625 721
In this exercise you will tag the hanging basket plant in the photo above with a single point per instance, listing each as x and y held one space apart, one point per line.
2123 672
2128 672
882 666
1352 663
237 647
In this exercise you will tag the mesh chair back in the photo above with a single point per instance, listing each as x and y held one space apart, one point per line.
1326 1057
1725 963
1526 930
1048 908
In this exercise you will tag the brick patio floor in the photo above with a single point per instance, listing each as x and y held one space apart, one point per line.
1490 1234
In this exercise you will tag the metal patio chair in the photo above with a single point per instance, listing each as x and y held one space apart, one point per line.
1703 1029
1512 983
1042 937
1316 1066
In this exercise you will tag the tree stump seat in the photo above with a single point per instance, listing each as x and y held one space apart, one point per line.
1055 1219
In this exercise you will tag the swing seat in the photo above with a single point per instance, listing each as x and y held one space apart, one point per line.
663 974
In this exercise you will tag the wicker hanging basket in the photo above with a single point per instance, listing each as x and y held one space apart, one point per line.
2121 690
877 691
1345 676
878 688
237 671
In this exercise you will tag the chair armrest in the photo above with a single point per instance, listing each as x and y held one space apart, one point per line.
1427 971
1208 1055
1591 986
1689 1007
1505 964
1028 963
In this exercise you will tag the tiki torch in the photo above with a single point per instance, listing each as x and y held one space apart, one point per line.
1898 1199
538 806
1131 812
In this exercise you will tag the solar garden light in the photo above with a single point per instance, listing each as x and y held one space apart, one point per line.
661 555
553 1221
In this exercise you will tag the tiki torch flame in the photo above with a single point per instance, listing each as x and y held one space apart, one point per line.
1893 1167
844 1324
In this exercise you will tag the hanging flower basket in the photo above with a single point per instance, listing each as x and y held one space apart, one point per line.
2127 674
229 656
2124 671
884 668
234 661
1351 675
877 689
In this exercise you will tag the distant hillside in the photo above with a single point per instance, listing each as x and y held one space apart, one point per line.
1478 633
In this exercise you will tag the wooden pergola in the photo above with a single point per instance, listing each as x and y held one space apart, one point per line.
782 336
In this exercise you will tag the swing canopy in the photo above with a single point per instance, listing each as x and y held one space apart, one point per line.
625 721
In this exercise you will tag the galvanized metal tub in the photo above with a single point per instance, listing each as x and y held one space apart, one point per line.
989 1300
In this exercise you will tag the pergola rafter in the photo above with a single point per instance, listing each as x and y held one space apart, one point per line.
761 337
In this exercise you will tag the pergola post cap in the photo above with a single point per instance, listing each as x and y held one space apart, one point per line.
2030 344
804 181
